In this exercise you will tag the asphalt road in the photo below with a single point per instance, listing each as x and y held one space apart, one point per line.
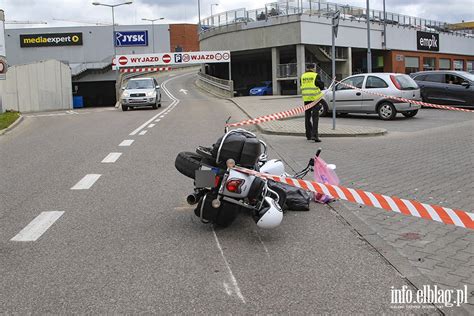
130 243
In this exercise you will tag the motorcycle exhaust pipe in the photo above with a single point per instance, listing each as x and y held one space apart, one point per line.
192 199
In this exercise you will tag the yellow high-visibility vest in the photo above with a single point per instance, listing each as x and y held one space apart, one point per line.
309 90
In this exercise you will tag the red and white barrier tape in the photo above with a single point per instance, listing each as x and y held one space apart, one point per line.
390 203
276 116
144 69
421 103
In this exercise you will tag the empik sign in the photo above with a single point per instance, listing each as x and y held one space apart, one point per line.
186 58
131 38
427 41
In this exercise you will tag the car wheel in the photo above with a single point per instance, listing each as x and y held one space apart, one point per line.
159 103
187 163
155 106
410 113
324 111
124 107
386 111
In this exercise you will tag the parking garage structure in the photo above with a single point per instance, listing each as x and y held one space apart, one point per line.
276 42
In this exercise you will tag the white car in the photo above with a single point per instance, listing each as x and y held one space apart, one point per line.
349 100
141 92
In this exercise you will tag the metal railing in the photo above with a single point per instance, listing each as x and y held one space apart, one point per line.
323 8
285 71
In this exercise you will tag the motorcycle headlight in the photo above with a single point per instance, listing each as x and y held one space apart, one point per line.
151 94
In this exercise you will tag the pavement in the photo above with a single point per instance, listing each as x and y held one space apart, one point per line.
128 243
262 105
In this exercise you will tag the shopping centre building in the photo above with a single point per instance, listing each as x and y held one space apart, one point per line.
274 43
89 50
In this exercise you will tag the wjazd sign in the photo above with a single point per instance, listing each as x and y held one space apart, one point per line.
52 39
427 41
131 38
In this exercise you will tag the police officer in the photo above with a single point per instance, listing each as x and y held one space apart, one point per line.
311 86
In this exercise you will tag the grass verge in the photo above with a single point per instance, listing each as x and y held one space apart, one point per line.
7 119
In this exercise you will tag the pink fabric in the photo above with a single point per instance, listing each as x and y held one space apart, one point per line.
323 174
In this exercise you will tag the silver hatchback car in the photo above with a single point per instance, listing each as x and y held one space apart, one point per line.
141 92
349 100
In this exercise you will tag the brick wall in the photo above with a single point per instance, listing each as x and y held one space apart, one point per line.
184 36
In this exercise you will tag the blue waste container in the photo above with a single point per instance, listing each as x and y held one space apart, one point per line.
78 102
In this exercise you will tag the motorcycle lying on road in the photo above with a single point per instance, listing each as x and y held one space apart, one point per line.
221 192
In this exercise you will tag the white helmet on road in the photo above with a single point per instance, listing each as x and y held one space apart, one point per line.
271 215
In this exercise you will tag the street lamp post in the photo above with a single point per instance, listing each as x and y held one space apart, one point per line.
214 4
369 53
153 29
199 16
114 39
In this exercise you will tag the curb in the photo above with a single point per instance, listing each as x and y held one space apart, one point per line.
271 132
369 134
12 126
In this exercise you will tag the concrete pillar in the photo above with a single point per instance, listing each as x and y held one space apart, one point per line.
300 64
349 61
275 62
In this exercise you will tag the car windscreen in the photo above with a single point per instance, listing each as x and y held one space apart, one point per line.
140 84
406 83
468 75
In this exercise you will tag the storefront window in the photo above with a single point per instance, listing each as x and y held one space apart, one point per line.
444 64
470 65
429 63
458 65
412 64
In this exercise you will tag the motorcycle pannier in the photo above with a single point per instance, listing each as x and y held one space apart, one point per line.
244 148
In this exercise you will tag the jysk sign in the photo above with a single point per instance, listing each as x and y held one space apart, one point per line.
427 41
132 38
54 39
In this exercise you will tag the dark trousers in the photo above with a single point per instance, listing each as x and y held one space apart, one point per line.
311 120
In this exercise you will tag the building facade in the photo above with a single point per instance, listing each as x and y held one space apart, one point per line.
274 43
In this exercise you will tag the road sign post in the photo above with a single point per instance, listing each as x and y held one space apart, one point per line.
335 26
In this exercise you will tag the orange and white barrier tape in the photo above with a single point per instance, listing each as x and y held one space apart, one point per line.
144 69
390 203
276 116
421 103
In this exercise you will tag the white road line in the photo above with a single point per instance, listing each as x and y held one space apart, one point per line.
232 277
38 226
87 182
142 133
158 120
112 157
151 125
162 116
126 143
170 107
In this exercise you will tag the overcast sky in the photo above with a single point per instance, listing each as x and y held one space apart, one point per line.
185 11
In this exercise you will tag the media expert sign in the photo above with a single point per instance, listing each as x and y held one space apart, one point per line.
427 41
131 38
186 58
54 39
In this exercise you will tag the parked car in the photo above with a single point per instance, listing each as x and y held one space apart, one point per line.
446 87
141 92
265 88
349 100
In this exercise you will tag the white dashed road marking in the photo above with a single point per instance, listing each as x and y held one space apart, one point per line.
38 226
126 143
157 120
151 125
142 133
87 182
112 157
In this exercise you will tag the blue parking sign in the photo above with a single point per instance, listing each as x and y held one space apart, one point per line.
178 58
131 38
